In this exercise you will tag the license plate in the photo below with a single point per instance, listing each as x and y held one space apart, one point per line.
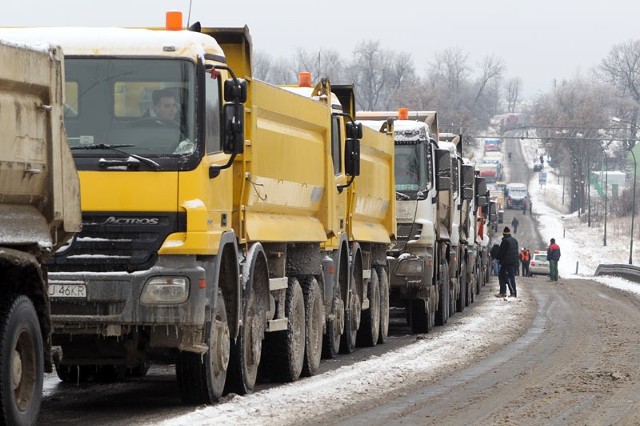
68 291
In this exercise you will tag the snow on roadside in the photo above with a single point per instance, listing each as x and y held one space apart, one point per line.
447 348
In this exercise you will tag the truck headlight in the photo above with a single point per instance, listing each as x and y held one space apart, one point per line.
165 290
411 266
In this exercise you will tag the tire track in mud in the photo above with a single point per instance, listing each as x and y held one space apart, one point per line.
576 364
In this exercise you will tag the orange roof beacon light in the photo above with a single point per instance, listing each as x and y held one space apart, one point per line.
304 79
174 20
403 113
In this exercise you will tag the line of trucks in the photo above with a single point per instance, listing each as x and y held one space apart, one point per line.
259 230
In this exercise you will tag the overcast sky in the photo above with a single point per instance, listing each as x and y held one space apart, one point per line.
539 41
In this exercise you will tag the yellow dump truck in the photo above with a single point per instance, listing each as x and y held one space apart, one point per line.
39 212
226 229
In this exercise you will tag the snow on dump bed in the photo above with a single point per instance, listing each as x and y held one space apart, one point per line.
43 47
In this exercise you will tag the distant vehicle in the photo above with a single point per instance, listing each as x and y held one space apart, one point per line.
492 145
489 172
516 193
539 264
537 167
496 163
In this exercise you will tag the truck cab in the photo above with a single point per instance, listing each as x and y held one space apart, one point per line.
419 260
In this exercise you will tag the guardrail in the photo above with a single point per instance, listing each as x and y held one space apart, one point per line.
628 272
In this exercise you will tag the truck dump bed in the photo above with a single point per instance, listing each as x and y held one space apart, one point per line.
287 179
373 198
38 181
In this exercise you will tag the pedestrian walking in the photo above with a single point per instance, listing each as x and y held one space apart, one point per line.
514 225
525 205
553 256
525 259
509 259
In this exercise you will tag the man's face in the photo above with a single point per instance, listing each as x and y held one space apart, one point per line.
166 108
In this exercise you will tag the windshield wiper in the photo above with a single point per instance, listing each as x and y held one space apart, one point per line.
402 196
115 147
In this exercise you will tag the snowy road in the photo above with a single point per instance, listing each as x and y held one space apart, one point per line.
561 354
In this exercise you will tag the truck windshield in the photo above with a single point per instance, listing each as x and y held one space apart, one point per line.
410 172
146 104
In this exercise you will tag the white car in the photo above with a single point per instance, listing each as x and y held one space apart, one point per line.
539 265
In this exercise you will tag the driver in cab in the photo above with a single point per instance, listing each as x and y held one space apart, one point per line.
165 105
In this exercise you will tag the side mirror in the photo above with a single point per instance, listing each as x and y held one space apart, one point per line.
468 181
481 191
443 169
467 194
233 125
235 90
352 156
354 130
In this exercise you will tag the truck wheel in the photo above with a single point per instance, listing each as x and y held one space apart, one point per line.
245 354
452 298
21 361
419 316
286 348
369 330
335 326
461 300
314 325
202 378
442 314
471 290
384 304
351 323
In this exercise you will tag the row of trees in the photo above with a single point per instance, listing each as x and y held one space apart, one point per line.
465 95
591 117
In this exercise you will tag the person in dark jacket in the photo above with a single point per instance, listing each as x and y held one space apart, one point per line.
509 258
514 225
553 256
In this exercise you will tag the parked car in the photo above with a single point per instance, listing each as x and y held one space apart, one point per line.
539 264
537 167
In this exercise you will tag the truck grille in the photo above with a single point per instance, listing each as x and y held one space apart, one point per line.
406 232
117 242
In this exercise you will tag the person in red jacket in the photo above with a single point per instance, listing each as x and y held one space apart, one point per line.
525 258
553 256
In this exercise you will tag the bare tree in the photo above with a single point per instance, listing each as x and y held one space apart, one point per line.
621 68
368 71
491 69
261 63
513 93
402 82
571 119
450 71
321 63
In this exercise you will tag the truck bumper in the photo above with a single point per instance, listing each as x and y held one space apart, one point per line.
411 275
113 299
